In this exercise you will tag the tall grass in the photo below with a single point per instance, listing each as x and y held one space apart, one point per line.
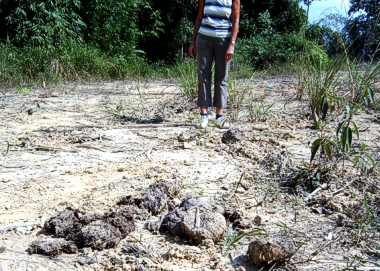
70 61
319 81
186 75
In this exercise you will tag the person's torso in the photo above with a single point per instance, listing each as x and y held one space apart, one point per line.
216 20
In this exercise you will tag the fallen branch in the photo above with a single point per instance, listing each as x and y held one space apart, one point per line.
315 192
90 147
342 189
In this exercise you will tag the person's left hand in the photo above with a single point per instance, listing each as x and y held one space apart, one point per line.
230 52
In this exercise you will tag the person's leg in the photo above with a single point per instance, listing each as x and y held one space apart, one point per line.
205 58
221 76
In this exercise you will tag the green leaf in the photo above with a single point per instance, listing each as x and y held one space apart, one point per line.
327 148
325 107
314 148
339 128
355 130
343 138
349 138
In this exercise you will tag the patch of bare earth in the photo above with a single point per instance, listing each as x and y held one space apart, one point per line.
87 146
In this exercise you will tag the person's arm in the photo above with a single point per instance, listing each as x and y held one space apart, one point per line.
235 29
198 21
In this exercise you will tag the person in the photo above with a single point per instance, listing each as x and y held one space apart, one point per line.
214 39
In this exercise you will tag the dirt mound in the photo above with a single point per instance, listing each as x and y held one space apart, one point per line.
156 199
52 247
232 136
98 235
194 221
66 223
79 230
122 219
265 253
235 217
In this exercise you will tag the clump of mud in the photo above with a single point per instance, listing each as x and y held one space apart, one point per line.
266 253
235 217
52 247
232 136
101 231
73 229
195 221
303 181
157 198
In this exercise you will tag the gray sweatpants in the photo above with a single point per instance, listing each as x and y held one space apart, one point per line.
210 50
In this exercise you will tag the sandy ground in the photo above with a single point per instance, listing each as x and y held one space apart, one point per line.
65 146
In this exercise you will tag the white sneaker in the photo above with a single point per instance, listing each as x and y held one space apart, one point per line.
221 122
204 121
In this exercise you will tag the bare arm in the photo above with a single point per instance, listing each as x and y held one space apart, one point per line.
235 28
198 22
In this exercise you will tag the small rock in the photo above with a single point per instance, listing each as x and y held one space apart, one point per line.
260 253
195 222
201 202
155 200
2 249
52 247
243 224
257 220
133 249
188 145
122 219
66 223
153 225
232 136
86 260
98 235
232 215
24 229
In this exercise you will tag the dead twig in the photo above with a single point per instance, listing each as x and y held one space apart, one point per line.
316 192
7 150
342 189
90 147
236 187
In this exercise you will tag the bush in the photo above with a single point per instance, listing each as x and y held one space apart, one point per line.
45 23
114 25
267 50
70 61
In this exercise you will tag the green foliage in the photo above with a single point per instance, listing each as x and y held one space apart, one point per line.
325 145
287 16
70 61
259 111
363 160
343 147
186 73
114 25
327 38
363 29
237 95
320 82
46 23
233 238
362 82
345 130
23 90
267 47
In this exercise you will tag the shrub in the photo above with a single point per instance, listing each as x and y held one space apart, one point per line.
266 50
45 23
70 61
114 25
